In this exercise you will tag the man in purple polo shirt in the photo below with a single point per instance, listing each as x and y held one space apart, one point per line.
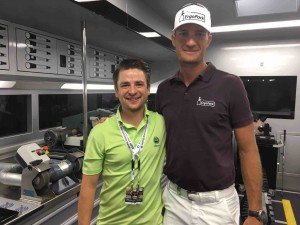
202 107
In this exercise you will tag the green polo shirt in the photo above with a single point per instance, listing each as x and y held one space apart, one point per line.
107 154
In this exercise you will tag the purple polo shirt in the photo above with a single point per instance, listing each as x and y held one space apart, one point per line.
199 122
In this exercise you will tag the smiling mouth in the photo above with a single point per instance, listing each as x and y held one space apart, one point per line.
191 51
133 99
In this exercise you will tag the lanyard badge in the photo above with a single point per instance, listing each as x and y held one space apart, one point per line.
134 195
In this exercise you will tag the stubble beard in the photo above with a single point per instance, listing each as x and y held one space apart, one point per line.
192 62
183 60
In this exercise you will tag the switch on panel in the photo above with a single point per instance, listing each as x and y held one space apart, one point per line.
4 62
62 61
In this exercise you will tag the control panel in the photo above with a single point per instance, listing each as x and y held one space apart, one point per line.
102 64
35 52
31 153
69 56
4 62
29 52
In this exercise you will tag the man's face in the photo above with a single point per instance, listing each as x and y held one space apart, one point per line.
132 90
191 41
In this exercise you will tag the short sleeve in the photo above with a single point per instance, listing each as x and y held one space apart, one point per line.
95 152
240 112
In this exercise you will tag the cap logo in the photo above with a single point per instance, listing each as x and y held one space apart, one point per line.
191 16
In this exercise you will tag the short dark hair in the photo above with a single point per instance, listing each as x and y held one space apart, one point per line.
132 64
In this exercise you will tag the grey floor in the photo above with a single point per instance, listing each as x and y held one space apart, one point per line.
279 214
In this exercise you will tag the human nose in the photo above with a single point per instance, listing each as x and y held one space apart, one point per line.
132 89
191 40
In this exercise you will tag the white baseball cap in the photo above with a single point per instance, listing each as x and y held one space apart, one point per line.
193 13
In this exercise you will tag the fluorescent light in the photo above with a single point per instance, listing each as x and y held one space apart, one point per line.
149 34
262 46
256 26
21 45
89 86
97 87
100 87
153 90
7 84
86 0
71 86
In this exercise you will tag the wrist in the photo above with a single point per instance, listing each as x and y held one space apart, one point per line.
260 215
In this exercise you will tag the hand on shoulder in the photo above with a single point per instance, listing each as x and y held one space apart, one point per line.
103 118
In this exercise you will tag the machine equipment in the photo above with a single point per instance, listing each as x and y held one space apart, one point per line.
63 136
42 178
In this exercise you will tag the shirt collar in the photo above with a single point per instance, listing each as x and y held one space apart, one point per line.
205 76
143 122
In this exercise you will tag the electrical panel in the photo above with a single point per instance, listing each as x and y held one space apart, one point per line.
70 58
112 63
102 64
35 52
98 64
4 43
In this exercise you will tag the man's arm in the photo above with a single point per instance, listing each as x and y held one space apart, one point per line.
86 198
250 168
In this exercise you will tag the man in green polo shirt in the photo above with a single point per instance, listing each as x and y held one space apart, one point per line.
128 151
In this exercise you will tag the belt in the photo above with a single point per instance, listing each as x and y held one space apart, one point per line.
204 197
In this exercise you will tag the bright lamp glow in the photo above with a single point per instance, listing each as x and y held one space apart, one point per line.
153 90
88 86
149 34
256 26
86 0
262 46
7 84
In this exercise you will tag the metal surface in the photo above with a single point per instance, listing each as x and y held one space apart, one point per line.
288 175
12 179
35 179
84 82
38 197
282 164
10 174
33 215
54 213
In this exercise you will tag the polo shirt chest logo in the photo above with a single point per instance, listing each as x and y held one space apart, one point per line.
156 140
205 103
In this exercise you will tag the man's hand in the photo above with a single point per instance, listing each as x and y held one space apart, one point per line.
252 221
103 118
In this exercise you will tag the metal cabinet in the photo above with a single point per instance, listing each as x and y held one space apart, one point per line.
288 175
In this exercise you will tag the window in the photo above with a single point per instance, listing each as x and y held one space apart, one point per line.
54 107
14 111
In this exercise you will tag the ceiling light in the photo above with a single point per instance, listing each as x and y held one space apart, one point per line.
89 86
256 26
149 34
262 46
100 87
7 84
86 0
263 7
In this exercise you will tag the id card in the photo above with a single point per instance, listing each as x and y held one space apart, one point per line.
134 196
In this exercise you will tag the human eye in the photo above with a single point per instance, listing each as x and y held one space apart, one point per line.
124 85
140 84
182 33
200 34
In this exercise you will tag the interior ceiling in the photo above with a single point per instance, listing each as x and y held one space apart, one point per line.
63 18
